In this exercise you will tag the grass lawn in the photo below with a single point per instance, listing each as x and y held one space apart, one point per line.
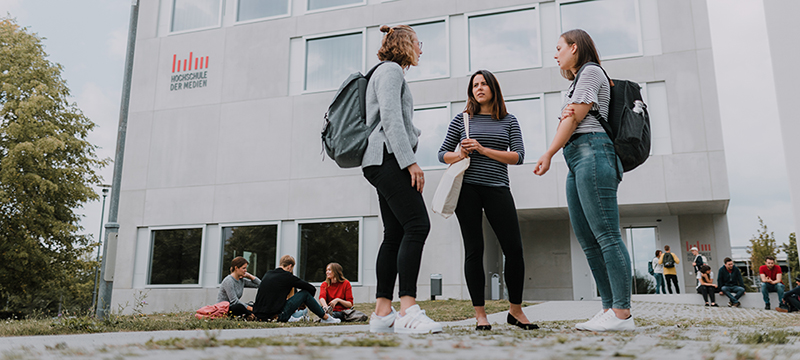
439 310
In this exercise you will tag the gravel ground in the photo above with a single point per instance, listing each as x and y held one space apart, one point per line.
665 331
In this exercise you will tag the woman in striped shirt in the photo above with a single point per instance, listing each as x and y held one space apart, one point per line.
494 142
593 178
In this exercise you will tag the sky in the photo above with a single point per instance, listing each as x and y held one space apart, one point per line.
89 38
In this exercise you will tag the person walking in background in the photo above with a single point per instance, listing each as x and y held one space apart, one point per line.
707 286
594 176
495 141
658 270
335 293
669 260
730 282
232 288
389 164
771 277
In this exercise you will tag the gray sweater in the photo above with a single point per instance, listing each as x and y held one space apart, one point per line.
389 101
231 290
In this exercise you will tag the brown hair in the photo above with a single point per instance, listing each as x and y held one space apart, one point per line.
704 268
498 104
398 45
587 52
658 252
338 273
286 260
769 257
666 247
726 260
238 262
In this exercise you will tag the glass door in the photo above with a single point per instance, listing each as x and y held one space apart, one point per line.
642 246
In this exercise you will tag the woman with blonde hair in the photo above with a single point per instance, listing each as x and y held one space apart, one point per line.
389 164
335 293
593 178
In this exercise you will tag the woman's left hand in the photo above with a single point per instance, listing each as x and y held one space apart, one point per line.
472 145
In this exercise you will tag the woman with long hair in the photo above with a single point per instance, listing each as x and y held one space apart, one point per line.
335 293
593 178
232 288
389 164
495 141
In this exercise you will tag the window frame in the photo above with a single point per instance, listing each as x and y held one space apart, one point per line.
532 6
542 113
445 105
200 276
346 6
274 17
172 14
425 21
243 224
360 220
637 9
307 38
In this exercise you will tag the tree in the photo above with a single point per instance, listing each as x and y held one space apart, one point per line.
47 169
761 246
791 255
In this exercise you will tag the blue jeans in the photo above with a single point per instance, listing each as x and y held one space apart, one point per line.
766 288
301 297
728 290
594 175
660 288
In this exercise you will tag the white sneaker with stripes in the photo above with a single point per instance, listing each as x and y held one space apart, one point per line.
415 322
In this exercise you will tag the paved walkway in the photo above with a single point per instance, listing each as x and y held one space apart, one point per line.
665 331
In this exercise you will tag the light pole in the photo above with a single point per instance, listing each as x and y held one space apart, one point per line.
100 238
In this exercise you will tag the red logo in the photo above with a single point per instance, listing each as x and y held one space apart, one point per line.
190 63
700 247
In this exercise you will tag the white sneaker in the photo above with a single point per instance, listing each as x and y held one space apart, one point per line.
582 325
610 322
415 322
330 320
382 324
298 315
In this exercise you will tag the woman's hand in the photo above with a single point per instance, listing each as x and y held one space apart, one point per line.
249 276
471 145
417 177
568 111
249 308
542 165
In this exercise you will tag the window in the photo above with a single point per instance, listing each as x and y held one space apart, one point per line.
256 243
530 115
326 4
175 256
195 14
613 25
504 41
330 60
655 96
433 121
260 9
642 246
323 243
434 61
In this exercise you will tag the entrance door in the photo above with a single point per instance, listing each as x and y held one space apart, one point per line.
642 246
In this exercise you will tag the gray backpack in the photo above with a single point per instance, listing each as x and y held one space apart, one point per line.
345 131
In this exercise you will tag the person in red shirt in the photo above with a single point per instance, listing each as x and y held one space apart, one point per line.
335 294
770 280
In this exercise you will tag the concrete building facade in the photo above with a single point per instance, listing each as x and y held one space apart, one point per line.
223 153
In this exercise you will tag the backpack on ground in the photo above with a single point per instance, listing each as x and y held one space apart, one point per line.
628 123
669 260
345 132
218 310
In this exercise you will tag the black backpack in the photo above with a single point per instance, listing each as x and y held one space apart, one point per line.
345 131
669 261
628 128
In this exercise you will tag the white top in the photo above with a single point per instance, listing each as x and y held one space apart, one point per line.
657 268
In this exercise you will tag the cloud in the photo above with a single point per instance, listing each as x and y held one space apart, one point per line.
117 43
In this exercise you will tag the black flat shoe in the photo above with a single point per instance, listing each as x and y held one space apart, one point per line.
483 327
513 321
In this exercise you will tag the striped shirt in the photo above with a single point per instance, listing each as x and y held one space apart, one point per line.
592 88
503 135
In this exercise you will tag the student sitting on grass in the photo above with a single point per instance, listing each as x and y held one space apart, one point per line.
271 302
233 286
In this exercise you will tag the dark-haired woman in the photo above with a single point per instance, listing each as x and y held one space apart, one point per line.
335 293
494 142
707 286
390 166
658 270
593 178
232 288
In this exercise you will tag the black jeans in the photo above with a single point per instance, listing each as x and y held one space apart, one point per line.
501 212
672 279
405 227
791 299
239 309
708 292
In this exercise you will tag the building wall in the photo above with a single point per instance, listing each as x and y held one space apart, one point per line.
245 147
